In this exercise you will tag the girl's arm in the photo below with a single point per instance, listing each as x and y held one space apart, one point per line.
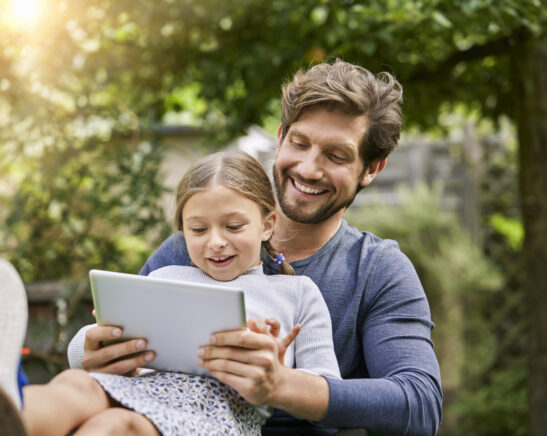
314 348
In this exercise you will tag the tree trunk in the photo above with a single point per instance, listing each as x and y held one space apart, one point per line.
530 90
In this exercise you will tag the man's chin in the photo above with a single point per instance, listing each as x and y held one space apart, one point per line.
298 215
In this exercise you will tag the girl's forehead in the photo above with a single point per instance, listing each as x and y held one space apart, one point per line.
216 188
219 197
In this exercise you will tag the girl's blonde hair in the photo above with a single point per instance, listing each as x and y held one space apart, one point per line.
236 170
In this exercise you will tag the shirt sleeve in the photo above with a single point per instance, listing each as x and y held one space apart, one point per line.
75 349
314 349
402 395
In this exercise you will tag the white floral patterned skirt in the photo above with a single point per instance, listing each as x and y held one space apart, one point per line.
183 404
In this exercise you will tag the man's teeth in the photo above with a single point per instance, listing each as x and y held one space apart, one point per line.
306 189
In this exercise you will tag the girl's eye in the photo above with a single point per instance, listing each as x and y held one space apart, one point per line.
198 229
234 227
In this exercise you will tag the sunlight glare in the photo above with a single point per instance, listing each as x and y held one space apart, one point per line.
25 12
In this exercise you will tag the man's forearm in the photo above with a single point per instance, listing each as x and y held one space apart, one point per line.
302 394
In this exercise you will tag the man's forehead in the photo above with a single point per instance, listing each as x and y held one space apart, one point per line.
338 128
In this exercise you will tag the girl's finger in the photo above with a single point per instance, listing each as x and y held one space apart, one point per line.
288 340
275 326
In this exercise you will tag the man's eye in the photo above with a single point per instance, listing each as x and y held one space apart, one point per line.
298 144
337 158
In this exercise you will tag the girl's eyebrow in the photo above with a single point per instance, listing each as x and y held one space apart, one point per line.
236 214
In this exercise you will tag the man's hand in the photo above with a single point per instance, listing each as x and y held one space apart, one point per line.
251 361
116 358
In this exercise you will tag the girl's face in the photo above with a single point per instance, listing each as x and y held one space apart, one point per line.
224 231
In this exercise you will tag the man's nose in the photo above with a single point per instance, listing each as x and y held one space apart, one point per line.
310 166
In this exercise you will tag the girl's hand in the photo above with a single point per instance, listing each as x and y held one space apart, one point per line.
116 358
251 361
273 327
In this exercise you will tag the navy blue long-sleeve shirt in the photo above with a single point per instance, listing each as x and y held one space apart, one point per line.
381 330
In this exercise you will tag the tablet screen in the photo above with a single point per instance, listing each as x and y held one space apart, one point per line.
175 317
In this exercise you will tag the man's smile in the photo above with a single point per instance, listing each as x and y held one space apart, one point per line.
306 189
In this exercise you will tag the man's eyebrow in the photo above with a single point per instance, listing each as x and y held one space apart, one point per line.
296 132
343 145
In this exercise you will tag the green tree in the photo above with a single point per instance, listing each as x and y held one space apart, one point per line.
125 63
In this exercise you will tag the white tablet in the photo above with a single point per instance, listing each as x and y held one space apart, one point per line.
175 317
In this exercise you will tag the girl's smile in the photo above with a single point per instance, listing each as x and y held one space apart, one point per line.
222 260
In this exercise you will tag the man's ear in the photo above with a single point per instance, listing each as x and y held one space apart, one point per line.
279 138
269 224
372 171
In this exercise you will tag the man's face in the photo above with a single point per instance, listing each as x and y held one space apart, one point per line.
318 169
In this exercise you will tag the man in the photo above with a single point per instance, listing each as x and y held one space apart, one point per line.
339 123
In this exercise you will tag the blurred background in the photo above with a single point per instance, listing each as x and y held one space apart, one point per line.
104 104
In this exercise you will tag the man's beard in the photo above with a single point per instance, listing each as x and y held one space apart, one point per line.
315 217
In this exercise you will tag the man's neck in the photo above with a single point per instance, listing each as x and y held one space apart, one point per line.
297 241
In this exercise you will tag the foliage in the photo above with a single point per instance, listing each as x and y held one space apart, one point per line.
88 75
92 206
499 407
495 400
83 86
137 54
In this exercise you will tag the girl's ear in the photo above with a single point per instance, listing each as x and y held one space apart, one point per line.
269 224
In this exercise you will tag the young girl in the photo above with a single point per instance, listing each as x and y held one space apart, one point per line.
225 210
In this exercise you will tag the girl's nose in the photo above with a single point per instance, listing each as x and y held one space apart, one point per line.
216 241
